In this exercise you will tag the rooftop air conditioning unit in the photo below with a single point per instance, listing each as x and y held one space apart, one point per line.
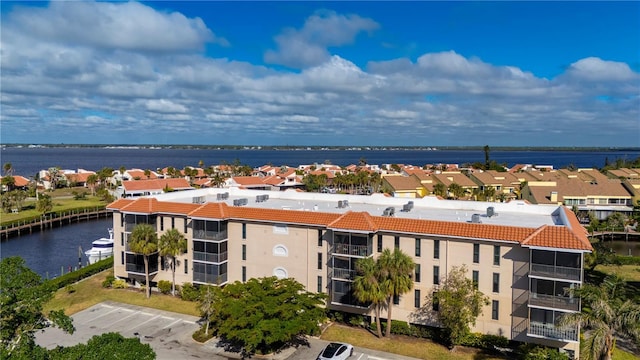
490 211
475 218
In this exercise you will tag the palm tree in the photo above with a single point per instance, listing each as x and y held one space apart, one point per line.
92 180
171 244
440 189
144 241
607 313
8 169
396 269
368 289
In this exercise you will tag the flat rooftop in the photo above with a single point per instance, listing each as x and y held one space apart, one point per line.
514 213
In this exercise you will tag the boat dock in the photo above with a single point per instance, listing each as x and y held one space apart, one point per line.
51 221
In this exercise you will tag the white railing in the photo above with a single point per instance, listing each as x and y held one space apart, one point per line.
553 332
344 274
210 257
556 302
356 250
558 272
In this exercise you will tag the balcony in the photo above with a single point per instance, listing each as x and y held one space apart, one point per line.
209 278
345 274
139 268
209 235
550 331
554 302
355 250
209 257
556 272
128 227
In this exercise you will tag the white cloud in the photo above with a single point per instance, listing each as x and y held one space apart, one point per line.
308 46
596 69
165 106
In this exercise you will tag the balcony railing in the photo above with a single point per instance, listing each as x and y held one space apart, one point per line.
128 227
558 272
552 332
356 250
139 268
210 257
209 278
555 302
209 235
345 274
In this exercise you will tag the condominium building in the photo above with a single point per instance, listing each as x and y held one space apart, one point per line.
522 256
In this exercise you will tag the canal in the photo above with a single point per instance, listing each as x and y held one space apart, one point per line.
51 251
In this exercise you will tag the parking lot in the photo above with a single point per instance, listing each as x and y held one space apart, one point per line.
169 334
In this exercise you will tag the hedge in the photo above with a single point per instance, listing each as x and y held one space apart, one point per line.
628 260
82 273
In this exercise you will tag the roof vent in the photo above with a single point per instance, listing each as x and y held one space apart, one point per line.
475 218
407 207
390 211
240 202
491 211
262 198
222 196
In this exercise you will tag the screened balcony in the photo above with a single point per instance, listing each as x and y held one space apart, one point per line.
553 294
556 264
352 244
341 293
210 273
131 220
343 268
544 324
210 251
209 230
134 263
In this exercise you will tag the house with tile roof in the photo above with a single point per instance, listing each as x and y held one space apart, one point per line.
503 182
138 188
447 178
521 255
19 182
404 186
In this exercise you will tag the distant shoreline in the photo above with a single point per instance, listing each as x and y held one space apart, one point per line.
320 147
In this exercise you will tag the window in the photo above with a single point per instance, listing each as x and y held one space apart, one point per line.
319 261
435 305
186 266
436 249
396 241
379 243
319 284
161 262
494 309
416 298
121 257
476 253
436 275
496 282
244 231
418 247
121 239
161 223
244 252
244 274
417 273
185 225
496 255
319 237
475 277
173 223
396 300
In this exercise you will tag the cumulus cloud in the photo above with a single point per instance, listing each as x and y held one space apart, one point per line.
308 46
76 86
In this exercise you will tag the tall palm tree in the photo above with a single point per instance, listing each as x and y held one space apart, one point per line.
607 313
144 241
396 269
368 289
92 180
171 244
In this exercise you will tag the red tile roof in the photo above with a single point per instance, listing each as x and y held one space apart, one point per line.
359 221
156 184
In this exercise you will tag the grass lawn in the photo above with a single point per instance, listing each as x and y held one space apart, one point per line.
89 292
402 345
60 203
627 272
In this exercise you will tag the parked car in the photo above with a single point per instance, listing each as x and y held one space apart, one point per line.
336 351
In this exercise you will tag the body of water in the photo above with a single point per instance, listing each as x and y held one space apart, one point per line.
28 161
48 252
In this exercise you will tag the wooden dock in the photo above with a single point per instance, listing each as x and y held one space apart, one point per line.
52 221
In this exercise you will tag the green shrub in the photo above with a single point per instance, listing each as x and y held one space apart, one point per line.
85 272
539 352
628 260
108 281
70 289
189 292
164 286
200 335
119 284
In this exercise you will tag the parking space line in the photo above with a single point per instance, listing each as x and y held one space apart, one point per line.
123 318
376 358
144 322
173 323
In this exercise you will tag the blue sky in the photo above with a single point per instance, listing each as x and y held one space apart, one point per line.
321 73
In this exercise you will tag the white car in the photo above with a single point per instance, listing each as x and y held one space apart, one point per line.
336 351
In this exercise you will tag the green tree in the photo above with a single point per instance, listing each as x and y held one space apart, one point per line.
22 296
171 244
396 269
147 173
8 169
44 204
459 304
314 183
9 182
92 180
106 346
487 161
368 289
440 189
208 299
607 313
144 241
262 315
457 190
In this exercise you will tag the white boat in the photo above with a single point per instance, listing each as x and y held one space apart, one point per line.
102 249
